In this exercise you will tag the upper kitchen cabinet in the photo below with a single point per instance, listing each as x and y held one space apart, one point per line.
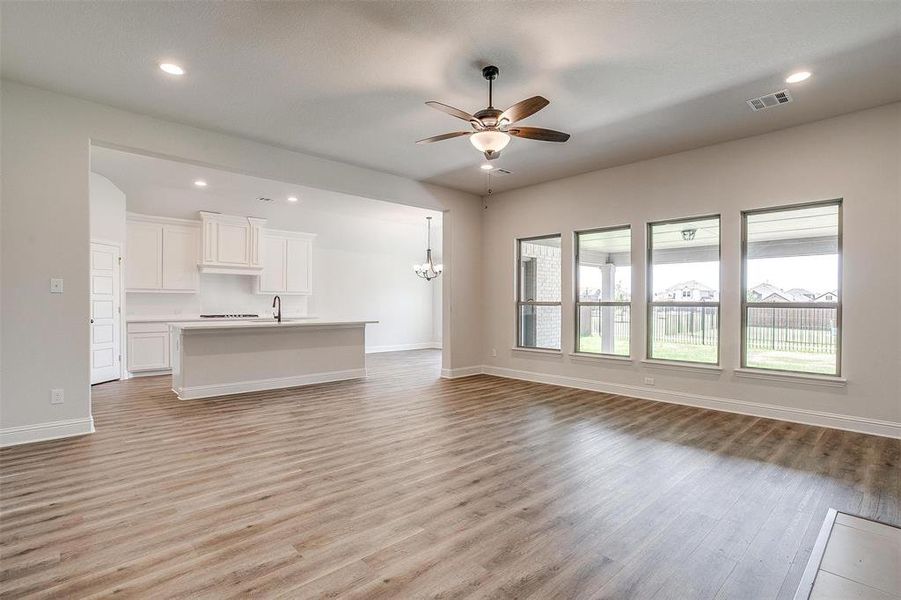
161 254
231 244
287 263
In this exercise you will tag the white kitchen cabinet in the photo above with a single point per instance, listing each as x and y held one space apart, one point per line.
273 277
144 256
161 255
147 347
231 244
287 263
180 245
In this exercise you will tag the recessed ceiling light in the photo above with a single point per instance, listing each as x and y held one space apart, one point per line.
798 77
292 198
200 183
486 167
172 69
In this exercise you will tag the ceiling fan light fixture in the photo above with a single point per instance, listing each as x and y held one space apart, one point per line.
489 142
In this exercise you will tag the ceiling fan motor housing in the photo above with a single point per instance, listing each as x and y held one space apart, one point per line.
488 117
490 72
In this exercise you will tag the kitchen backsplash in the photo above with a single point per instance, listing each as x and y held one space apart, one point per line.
218 294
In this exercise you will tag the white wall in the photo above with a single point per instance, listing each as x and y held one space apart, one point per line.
855 157
107 210
46 139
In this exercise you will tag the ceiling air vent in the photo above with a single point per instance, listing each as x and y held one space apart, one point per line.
769 101
501 172
264 199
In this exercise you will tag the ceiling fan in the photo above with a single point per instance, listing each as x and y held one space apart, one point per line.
492 128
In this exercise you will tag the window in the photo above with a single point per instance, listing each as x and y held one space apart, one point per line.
538 293
684 290
791 288
603 290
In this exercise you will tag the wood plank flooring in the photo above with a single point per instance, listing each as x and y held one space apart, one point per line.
404 485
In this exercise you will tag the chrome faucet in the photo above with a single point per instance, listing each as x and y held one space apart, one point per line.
278 313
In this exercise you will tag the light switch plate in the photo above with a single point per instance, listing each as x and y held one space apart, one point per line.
56 396
56 286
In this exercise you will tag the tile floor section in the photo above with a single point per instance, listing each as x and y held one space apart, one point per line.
862 561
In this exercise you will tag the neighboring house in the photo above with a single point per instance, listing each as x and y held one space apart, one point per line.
688 291
761 291
800 295
766 292
776 297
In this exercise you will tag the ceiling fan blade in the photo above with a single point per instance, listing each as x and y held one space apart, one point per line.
443 136
538 133
523 109
454 112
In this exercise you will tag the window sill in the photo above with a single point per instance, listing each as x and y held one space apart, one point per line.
538 351
802 378
601 357
682 366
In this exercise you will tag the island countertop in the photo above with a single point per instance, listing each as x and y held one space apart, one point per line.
187 326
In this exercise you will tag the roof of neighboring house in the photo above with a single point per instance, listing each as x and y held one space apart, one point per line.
765 289
690 284
800 294
824 294
776 297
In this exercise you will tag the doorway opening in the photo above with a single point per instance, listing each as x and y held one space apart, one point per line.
326 254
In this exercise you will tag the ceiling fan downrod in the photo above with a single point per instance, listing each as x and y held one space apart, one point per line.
490 73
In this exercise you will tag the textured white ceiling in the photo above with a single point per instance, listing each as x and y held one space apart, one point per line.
347 80
166 188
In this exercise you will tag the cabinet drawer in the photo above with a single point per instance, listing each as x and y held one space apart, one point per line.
148 328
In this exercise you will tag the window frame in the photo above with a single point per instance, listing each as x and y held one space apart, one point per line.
837 305
578 303
520 302
649 291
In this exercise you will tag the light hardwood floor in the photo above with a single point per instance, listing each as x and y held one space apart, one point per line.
406 486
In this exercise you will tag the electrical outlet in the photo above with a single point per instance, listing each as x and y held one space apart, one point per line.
56 286
649 381
56 396
494 352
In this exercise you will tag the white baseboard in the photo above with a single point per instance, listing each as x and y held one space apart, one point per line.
462 372
755 409
402 347
225 389
26 434
137 374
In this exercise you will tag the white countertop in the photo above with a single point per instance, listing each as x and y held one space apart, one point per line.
190 318
222 324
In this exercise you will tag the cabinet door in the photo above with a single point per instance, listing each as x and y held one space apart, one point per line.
233 244
144 257
272 278
148 351
179 258
298 266
255 254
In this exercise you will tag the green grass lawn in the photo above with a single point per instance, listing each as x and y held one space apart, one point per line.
684 352
808 362
592 343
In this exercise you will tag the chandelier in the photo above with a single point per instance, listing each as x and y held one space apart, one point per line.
428 270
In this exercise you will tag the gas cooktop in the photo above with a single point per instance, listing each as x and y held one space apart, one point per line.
230 316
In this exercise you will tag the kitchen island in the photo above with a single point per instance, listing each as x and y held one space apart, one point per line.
232 357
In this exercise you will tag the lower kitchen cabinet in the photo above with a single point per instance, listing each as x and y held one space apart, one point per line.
148 347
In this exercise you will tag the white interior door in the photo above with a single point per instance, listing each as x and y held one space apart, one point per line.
105 334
